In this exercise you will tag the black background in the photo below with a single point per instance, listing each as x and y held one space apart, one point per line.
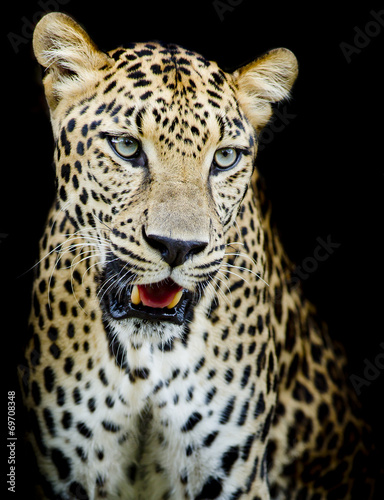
324 169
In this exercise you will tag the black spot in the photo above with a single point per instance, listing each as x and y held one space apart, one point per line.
66 420
65 143
111 86
81 453
175 121
301 393
195 131
156 69
229 458
49 422
70 330
77 398
245 377
260 406
68 365
261 359
65 171
61 462
63 308
144 52
139 119
199 364
228 376
192 421
103 377
71 124
49 378
211 489
247 447
260 323
84 430
109 401
243 413
146 95
116 55
210 439
142 373
63 193
210 395
100 109
277 305
267 425
91 404
227 412
53 333
60 396
78 166
320 382
78 491
238 123
84 197
110 426
239 352
68 286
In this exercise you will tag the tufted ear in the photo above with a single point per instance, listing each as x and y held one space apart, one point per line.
70 56
268 79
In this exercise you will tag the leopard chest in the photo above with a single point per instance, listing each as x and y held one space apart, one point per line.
170 416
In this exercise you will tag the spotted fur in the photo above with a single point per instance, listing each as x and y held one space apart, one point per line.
247 398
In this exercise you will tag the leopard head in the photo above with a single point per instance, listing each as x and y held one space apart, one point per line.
155 149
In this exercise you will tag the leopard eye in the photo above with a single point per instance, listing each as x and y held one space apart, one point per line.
126 147
225 158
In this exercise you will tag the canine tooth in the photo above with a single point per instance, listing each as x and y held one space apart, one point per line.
176 299
135 295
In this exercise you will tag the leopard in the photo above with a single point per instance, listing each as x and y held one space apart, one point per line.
170 353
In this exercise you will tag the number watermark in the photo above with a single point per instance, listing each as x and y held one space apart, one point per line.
11 442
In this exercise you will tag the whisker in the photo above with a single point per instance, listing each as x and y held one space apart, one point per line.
248 270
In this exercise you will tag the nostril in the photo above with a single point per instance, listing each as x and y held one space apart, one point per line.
155 242
196 247
173 251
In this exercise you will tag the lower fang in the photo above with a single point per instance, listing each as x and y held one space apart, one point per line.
135 295
176 299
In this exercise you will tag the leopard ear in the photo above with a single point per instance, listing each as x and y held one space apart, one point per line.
265 80
70 56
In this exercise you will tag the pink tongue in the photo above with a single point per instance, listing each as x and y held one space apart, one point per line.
158 294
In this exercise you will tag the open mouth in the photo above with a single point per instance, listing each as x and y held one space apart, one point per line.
162 301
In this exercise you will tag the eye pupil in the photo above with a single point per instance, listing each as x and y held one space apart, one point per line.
226 157
126 147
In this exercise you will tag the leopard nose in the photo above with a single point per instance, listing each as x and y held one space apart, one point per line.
174 252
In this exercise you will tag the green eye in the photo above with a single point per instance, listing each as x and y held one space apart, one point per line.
126 147
226 157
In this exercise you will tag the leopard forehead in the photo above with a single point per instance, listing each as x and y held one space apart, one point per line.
163 90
